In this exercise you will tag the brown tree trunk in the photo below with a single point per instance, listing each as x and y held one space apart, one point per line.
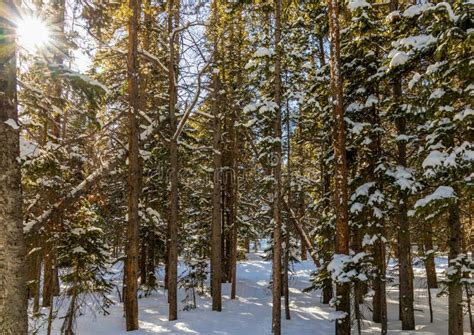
430 257
132 247
216 229
286 286
150 266
47 274
327 293
276 264
13 300
174 171
455 304
143 262
407 315
343 325
233 198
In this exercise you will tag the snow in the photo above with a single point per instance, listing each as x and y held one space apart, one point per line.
79 250
88 80
264 52
468 111
28 149
356 207
250 313
356 127
404 178
355 4
12 123
442 192
449 10
399 58
416 78
436 94
416 9
417 42
435 158
337 315
362 190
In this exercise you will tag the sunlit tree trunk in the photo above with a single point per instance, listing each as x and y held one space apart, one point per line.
132 247
343 325
13 300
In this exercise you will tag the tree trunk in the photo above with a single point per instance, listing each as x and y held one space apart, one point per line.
132 247
150 266
276 264
47 273
143 262
286 284
455 325
407 315
343 325
429 255
216 231
233 175
174 171
13 300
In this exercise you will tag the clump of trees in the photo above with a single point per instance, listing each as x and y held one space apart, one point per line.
340 128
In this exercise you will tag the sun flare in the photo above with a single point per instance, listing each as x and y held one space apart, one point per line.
33 33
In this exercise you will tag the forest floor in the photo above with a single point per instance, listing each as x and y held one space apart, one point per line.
250 313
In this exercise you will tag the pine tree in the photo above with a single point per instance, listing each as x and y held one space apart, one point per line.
13 301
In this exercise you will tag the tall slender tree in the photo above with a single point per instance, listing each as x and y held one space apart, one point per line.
172 242
276 265
13 303
131 269
343 324
216 228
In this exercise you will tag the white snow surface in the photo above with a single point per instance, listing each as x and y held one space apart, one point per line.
250 313
355 4
399 58
12 123
442 192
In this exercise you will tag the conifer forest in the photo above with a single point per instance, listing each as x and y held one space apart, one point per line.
236 167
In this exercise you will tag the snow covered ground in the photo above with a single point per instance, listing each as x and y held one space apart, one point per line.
250 313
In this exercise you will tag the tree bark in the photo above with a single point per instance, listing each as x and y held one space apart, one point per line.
407 313
13 300
455 304
132 247
430 258
343 325
174 171
276 264
216 229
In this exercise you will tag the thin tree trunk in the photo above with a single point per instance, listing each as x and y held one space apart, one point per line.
286 286
343 325
132 247
13 300
216 228
327 293
143 262
233 196
47 273
150 267
276 264
429 255
286 258
455 325
407 315
173 221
